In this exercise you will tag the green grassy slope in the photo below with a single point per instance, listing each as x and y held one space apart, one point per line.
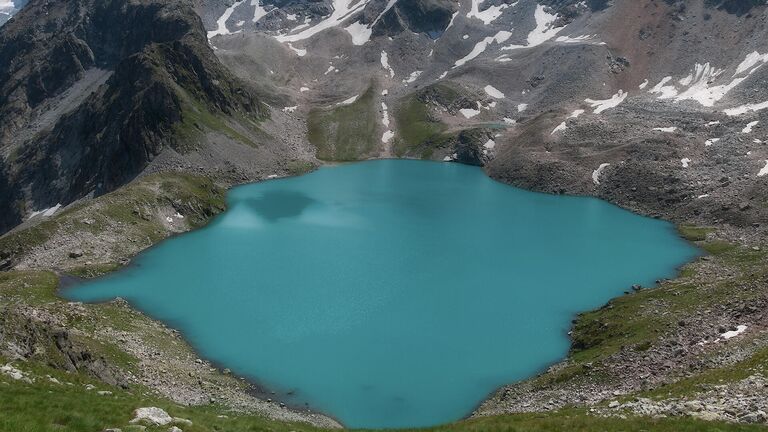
347 132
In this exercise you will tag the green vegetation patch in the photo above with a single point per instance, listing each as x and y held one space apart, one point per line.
299 167
74 405
28 287
69 406
757 363
348 132
637 320
197 119
694 233
418 132
130 211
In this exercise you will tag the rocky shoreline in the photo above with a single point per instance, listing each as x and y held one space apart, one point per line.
184 378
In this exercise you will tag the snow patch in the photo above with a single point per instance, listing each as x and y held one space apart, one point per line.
453 17
643 85
748 128
469 112
733 333
489 15
764 170
700 83
360 33
583 39
711 141
522 107
46 212
342 10
384 114
481 46
290 109
606 104
664 91
753 59
300 52
598 172
413 77
385 64
221 23
543 32
665 129
490 144
741 110
493 92
304 89
685 162
349 101
386 9
387 136
259 12
561 127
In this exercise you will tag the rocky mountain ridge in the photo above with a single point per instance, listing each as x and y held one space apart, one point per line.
566 96
564 88
93 92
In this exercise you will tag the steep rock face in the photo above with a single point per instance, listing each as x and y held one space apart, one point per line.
430 17
164 73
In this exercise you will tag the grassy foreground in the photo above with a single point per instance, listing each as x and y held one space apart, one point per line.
71 402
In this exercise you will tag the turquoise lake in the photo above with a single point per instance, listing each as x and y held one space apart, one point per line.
392 293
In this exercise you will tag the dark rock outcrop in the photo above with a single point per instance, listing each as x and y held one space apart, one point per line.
430 17
165 77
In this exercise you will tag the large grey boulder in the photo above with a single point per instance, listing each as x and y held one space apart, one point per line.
152 415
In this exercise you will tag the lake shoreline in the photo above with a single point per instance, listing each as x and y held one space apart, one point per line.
484 410
519 197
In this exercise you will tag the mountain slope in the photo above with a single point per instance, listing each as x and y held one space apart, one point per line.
562 87
93 91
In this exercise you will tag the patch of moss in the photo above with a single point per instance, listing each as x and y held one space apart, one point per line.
694 233
28 287
93 271
299 167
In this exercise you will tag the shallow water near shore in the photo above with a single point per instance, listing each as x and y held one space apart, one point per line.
392 293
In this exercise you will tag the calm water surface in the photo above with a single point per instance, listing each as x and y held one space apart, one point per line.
392 293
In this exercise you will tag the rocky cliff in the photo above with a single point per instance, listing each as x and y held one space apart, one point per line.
92 91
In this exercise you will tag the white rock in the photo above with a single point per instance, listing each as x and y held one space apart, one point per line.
183 421
153 415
